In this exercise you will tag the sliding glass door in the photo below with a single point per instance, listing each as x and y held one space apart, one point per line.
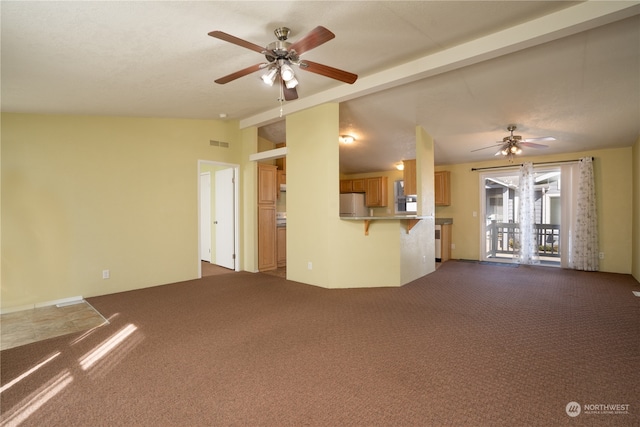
500 229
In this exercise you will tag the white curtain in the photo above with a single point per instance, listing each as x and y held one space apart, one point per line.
584 240
526 216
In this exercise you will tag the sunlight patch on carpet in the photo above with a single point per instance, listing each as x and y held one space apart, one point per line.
28 326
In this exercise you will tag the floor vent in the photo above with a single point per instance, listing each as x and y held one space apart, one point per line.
219 144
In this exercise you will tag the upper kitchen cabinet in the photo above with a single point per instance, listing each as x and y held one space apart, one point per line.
267 183
409 177
353 185
376 191
442 188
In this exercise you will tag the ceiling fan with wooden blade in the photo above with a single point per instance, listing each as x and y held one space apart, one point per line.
281 54
512 144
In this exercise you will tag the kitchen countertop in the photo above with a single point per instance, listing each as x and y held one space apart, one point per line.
371 218
443 221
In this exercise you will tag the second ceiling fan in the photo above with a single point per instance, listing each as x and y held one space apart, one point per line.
512 144
281 55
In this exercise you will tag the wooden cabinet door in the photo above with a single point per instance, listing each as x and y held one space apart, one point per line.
267 238
267 196
358 185
346 186
267 183
409 178
376 194
282 246
282 178
445 242
442 188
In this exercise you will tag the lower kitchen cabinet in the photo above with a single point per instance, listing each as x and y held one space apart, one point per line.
445 241
282 246
267 238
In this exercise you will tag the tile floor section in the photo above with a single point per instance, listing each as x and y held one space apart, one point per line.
27 326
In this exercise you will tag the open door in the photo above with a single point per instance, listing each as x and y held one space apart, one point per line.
224 223
205 216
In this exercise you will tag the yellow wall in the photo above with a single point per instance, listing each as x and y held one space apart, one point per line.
85 194
340 254
635 270
613 177
249 201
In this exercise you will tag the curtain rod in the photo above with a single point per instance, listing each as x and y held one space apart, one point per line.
541 163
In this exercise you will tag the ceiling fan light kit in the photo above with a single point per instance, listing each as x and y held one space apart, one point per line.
270 76
281 55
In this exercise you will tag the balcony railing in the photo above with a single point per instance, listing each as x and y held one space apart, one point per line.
503 239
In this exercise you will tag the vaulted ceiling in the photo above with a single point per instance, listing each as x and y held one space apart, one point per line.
462 70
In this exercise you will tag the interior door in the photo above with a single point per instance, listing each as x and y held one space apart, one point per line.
205 216
224 219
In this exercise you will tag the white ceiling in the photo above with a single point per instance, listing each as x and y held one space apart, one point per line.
461 70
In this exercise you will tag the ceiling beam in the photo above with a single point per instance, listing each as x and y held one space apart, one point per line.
572 20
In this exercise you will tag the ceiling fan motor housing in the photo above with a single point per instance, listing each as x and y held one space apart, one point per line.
282 33
280 50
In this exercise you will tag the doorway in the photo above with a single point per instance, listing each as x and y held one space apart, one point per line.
500 232
218 233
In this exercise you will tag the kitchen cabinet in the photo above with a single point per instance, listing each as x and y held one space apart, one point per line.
442 187
267 238
281 165
267 196
352 185
409 178
267 180
359 185
445 242
346 186
282 178
281 237
281 162
376 191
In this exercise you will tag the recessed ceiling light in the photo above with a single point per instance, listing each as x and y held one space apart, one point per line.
222 115
347 139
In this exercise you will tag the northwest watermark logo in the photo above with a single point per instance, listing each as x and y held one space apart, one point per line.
573 409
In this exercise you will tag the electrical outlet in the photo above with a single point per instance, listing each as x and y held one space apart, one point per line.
601 255
309 266
424 259
453 246
106 274
475 214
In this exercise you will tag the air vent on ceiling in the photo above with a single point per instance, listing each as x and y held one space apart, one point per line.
219 144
